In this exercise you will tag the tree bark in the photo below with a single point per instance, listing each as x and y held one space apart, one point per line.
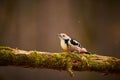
59 61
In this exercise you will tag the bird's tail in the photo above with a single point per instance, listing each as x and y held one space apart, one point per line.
88 53
84 50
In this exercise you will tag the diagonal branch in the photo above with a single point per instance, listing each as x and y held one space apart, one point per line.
59 61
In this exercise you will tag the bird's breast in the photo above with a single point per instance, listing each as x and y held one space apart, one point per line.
63 45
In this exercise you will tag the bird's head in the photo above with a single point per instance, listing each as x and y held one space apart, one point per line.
63 36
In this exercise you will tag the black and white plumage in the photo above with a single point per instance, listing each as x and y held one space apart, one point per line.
70 45
74 42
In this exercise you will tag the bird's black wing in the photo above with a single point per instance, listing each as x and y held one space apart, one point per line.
74 42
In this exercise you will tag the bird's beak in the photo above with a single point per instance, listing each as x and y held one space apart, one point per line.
59 35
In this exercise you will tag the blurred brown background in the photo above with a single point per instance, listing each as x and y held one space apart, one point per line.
33 25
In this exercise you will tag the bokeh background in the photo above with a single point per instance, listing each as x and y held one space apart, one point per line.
34 24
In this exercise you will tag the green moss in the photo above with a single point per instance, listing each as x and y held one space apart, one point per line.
6 55
64 61
36 59
21 60
5 48
114 64
47 60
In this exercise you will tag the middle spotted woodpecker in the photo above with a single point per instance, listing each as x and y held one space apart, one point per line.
70 45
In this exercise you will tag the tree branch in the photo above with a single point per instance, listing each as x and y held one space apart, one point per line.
59 61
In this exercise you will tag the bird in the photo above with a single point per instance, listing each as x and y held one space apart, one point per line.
70 45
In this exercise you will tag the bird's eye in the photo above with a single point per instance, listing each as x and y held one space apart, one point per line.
63 35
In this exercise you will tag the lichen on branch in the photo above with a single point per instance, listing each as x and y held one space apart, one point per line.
59 61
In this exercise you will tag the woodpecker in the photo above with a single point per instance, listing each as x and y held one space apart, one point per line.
70 45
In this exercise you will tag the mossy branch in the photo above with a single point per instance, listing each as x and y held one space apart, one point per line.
59 61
